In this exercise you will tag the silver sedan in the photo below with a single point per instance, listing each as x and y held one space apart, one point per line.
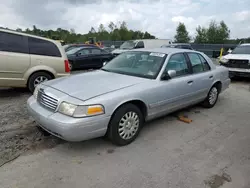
132 88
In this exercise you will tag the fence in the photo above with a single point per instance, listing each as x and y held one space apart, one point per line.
212 50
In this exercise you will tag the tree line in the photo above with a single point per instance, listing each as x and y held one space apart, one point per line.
113 32
215 33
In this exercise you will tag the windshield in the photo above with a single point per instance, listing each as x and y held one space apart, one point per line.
140 64
241 50
128 45
73 51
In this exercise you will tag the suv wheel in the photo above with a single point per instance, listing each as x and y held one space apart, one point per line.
37 78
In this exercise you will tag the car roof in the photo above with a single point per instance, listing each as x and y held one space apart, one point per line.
163 50
245 44
27 35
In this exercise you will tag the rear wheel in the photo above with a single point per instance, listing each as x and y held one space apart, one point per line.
212 97
37 78
71 67
125 125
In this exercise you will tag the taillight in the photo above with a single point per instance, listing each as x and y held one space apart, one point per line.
66 65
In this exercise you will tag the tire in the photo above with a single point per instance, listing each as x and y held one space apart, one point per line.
212 97
71 66
130 129
34 79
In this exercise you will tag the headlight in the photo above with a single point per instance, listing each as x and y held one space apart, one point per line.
80 111
35 93
224 60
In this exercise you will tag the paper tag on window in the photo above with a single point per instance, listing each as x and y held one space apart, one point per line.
157 54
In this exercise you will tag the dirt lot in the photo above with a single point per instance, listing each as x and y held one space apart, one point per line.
18 132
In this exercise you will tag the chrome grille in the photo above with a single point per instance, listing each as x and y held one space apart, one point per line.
47 101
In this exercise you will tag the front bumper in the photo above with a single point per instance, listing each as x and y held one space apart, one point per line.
239 72
65 127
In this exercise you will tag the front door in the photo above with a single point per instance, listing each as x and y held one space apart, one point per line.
83 59
174 93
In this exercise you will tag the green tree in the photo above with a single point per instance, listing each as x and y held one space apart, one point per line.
201 35
182 35
70 36
214 34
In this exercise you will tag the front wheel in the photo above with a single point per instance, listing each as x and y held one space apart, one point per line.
212 97
125 125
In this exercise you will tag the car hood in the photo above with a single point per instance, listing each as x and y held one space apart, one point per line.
88 85
237 56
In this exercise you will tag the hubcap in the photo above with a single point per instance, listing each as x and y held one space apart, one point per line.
213 95
39 80
128 125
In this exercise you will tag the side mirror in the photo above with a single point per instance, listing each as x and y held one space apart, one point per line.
172 73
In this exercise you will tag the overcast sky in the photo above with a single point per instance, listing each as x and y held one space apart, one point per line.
159 17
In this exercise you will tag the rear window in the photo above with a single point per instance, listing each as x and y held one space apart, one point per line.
43 47
13 43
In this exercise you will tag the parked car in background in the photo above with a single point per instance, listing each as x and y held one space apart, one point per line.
143 43
27 60
68 47
238 61
87 57
134 87
178 45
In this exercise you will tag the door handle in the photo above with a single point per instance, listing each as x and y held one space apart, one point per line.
210 77
190 82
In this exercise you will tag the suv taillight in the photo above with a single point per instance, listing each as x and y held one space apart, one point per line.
66 65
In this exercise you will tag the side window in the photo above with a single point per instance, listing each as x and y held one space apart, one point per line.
140 44
196 63
178 63
43 47
205 63
13 43
95 51
84 52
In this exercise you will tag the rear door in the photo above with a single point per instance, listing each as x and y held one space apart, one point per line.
14 59
202 76
97 57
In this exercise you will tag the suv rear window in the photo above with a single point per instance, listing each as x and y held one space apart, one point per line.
13 43
43 47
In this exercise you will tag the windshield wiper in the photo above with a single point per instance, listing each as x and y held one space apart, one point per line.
105 70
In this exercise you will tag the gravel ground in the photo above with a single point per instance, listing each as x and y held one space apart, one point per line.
18 132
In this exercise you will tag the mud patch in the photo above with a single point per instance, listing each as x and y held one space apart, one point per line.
217 181
18 132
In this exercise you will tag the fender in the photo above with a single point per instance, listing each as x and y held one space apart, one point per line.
37 69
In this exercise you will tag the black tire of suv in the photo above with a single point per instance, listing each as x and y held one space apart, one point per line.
33 77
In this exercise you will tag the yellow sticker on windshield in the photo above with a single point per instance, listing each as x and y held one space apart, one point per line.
157 54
